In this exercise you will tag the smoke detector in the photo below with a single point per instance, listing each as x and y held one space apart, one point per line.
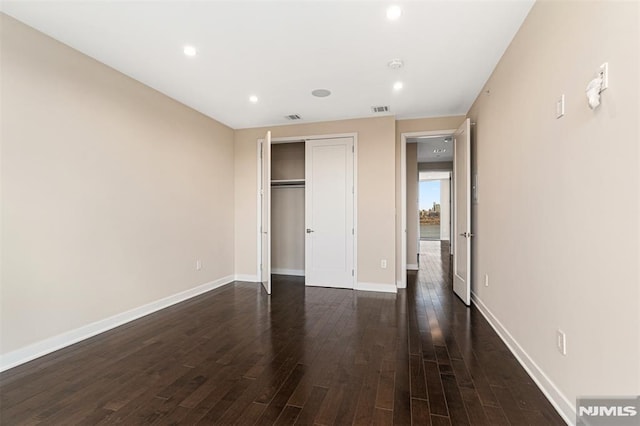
395 64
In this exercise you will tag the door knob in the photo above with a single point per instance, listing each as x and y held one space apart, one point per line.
309 230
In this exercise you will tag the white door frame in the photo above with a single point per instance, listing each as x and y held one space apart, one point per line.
403 195
292 139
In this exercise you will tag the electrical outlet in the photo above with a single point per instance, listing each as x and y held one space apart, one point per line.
486 280
383 263
561 342
198 265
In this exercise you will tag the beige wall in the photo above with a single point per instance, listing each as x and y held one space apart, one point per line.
557 223
411 126
412 204
110 191
376 192
287 230
287 161
287 209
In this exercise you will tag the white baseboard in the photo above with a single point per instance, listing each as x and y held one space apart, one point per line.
51 344
294 272
246 277
563 406
383 287
412 267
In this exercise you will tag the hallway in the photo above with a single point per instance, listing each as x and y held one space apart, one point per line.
470 375
306 356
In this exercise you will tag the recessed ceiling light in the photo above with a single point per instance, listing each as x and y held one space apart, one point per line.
253 99
397 85
190 51
321 93
447 140
395 64
439 150
393 12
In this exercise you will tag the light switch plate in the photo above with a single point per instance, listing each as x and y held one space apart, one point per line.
560 107
604 74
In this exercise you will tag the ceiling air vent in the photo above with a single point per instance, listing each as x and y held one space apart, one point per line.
382 108
293 117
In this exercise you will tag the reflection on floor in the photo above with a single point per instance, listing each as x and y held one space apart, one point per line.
303 355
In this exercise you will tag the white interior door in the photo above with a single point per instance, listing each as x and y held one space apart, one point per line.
265 206
462 213
329 193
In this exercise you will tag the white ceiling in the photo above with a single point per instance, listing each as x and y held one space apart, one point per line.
281 50
434 149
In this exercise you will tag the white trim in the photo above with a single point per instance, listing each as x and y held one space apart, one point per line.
403 195
403 211
259 209
305 138
560 402
412 267
293 272
355 208
51 344
381 287
247 278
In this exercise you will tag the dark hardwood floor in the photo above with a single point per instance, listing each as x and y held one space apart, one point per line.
304 356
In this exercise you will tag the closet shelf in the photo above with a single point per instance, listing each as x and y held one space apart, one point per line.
287 182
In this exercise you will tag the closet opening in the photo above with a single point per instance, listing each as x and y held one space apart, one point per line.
287 208
307 210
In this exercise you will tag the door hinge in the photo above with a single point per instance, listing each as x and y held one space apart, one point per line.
261 266
353 149
353 232
352 273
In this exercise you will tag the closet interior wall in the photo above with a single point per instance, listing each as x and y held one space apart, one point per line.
287 208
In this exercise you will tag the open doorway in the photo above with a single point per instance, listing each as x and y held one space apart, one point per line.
420 152
453 154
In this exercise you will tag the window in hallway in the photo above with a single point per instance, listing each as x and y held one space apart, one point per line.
429 210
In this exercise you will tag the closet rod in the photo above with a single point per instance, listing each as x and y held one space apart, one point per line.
278 186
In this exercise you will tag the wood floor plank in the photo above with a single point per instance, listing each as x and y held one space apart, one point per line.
308 413
420 412
303 355
435 390
440 421
277 404
455 405
382 417
288 417
384 396
472 404
418 382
